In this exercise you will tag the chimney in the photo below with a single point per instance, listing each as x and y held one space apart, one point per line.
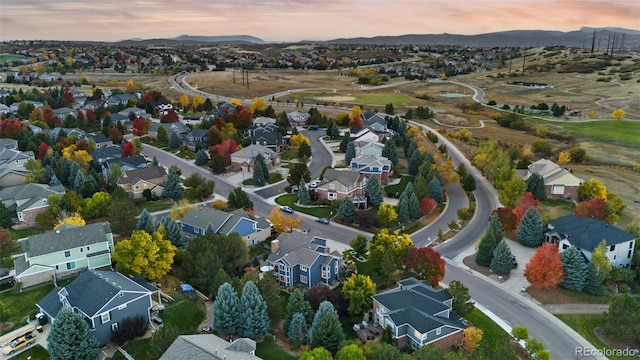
275 245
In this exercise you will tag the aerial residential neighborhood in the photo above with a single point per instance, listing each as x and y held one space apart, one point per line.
470 197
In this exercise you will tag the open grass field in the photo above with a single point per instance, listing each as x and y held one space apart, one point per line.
370 98
10 58
626 131
585 326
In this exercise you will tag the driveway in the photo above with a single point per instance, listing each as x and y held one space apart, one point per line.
41 338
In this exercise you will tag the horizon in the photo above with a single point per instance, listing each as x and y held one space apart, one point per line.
293 21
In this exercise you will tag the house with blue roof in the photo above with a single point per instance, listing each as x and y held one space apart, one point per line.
253 230
587 233
372 165
304 259
103 299
419 315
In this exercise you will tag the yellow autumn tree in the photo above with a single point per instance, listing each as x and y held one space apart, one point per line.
219 204
179 210
282 222
618 114
70 61
592 114
592 189
356 112
472 338
386 240
564 157
235 102
297 140
387 214
146 255
184 100
197 102
258 104
445 168
131 85
74 220
81 157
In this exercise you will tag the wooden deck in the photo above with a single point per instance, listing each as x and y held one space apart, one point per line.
370 332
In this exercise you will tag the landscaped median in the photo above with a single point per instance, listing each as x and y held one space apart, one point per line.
320 211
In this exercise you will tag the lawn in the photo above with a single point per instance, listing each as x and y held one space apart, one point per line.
585 325
10 58
321 212
153 206
273 178
358 98
36 352
268 350
392 190
26 232
610 130
289 155
492 333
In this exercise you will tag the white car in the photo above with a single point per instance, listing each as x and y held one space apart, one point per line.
286 209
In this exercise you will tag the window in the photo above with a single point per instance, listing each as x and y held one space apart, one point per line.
438 331
612 247
332 196
344 188
57 267
88 248
332 186
104 318
303 279
303 268
557 189
631 245
81 249
629 254
71 265
114 327
67 253
325 274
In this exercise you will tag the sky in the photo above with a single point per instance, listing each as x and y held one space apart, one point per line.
295 20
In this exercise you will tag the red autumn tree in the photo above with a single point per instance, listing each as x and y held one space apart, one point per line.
524 203
544 269
82 145
219 122
10 128
115 135
67 95
594 208
214 136
151 97
139 127
425 264
80 116
226 148
427 205
91 116
243 119
170 117
42 150
63 140
128 149
49 117
355 122
507 217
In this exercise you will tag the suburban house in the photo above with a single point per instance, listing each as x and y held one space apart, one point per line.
587 233
6 143
246 157
253 230
102 154
210 347
120 99
340 184
63 252
372 165
175 127
195 119
267 135
363 134
196 138
376 123
369 148
58 131
559 183
137 112
12 170
102 298
263 120
419 315
136 181
297 118
100 140
28 200
303 259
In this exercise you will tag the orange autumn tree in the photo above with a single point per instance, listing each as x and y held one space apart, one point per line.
544 270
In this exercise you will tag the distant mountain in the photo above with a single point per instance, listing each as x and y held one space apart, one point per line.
611 29
500 39
193 40
221 39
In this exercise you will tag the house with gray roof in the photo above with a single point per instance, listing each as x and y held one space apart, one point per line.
267 135
559 183
175 127
338 184
12 169
136 181
372 165
63 252
252 229
210 347
103 299
28 200
196 138
6 143
586 233
297 118
419 315
304 259
246 157
120 99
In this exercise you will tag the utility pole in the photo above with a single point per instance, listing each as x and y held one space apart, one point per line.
593 41
233 71
613 43
608 42
524 59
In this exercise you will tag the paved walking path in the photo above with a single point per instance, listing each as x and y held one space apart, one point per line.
576 308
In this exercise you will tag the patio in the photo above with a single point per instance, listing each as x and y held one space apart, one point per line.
368 332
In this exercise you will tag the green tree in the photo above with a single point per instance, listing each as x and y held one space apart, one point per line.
6 219
436 190
238 199
304 151
122 213
201 157
403 211
70 338
161 339
350 153
389 151
328 333
172 189
600 261
297 304
219 279
359 244
520 333
347 210
163 135
298 172
350 352
226 310
198 187
298 328
373 191
303 194
387 215
489 241
174 141
8 246
324 308
218 164
388 109
358 289
530 231
344 143
574 268
146 222
259 176
316 354
462 303
535 185
501 263
415 160
622 321
468 183
428 352
253 321
270 291
174 233
511 189
533 346
593 282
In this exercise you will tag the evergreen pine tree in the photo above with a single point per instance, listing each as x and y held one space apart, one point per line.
297 304
304 151
88 187
373 191
389 151
469 183
501 263
70 338
574 269
258 174
172 187
593 281
530 232
350 153
328 333
403 210
415 159
335 131
174 233
436 190
201 157
535 185
73 172
303 194
298 329
414 206
54 181
344 143
226 310
489 241
347 210
5 217
174 141
253 321
219 279
122 214
324 308
146 222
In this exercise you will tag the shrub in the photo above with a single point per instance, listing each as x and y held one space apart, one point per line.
129 328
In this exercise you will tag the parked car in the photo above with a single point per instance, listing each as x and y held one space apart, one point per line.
286 209
19 343
323 220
